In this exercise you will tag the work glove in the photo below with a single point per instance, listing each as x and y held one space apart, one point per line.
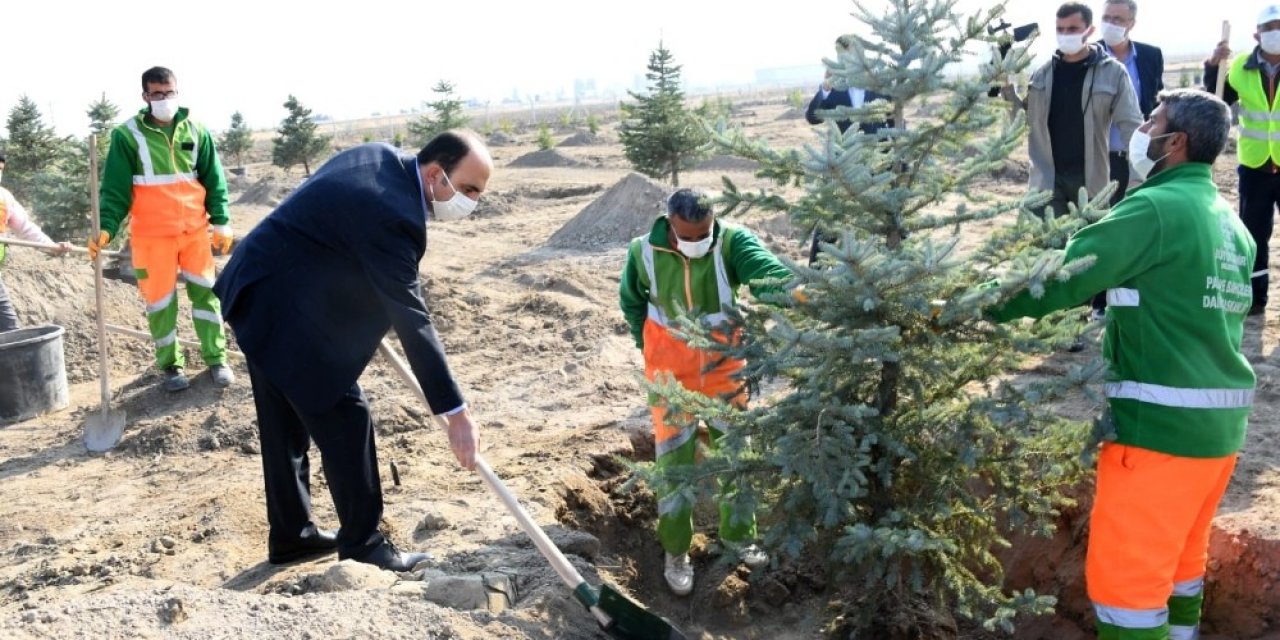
222 236
98 244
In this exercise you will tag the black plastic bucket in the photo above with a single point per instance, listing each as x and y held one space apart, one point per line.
33 378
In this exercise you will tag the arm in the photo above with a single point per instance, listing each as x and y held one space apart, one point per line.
1159 56
633 295
209 168
814 105
390 263
752 263
1229 94
1126 243
115 194
20 224
1125 112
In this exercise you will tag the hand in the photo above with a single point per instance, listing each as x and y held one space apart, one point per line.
1221 53
222 237
97 244
59 249
464 438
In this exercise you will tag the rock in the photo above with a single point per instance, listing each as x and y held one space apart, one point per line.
579 543
167 541
457 592
433 520
350 575
172 611
29 617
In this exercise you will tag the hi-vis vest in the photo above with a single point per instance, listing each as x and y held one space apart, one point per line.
4 226
168 199
659 315
1259 119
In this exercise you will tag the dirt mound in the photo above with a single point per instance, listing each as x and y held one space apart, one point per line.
623 212
500 139
727 163
791 114
544 158
496 203
582 139
265 192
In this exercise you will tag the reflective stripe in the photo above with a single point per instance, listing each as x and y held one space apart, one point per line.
723 292
197 280
168 340
1259 135
1189 588
207 316
1179 632
1181 397
161 304
1132 618
667 446
1259 274
1259 115
671 503
153 181
144 152
1122 297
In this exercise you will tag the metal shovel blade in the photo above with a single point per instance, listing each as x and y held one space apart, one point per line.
103 430
631 621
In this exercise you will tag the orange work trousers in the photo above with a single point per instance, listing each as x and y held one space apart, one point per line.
157 262
1149 540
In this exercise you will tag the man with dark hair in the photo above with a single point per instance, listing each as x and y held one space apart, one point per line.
163 172
1175 261
1252 79
1072 103
691 262
310 292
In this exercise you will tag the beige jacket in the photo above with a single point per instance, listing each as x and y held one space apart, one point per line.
1108 98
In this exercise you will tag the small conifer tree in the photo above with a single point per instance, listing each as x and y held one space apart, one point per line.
660 135
298 142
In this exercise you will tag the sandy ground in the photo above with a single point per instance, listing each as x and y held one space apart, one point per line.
105 545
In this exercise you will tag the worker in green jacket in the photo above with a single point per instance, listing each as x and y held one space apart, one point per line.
1175 262
691 262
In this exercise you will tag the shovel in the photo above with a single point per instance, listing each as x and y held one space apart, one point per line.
102 430
618 615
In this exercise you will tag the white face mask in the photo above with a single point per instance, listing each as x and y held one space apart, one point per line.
1 175
1270 41
164 110
1070 43
1113 34
694 249
455 208
1139 144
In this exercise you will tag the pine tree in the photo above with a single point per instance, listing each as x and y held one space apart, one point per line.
237 140
659 134
102 117
298 142
443 114
32 147
898 447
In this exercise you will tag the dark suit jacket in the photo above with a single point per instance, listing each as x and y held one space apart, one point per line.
840 98
1150 75
316 285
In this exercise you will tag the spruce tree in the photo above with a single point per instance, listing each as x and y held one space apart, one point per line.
102 117
443 114
660 135
897 445
298 142
237 140
33 147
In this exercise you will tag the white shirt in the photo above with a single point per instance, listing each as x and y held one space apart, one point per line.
856 96
17 223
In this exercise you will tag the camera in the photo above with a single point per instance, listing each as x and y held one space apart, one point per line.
1007 39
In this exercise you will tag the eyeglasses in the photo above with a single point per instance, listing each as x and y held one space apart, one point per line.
162 95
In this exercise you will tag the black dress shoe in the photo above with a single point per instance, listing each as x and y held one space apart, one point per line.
318 544
387 556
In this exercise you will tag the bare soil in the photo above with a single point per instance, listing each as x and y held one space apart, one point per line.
165 536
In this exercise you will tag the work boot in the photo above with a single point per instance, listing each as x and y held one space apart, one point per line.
221 375
316 543
174 379
751 555
679 574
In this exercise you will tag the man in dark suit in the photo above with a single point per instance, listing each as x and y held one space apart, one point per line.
310 292
1145 64
828 97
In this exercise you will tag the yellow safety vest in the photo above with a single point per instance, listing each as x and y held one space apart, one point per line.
1259 118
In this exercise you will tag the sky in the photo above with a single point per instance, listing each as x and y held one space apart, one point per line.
354 59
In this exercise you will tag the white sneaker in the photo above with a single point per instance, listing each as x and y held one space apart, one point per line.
679 574
751 555
1097 315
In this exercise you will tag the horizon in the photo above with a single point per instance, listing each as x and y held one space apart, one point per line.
535 51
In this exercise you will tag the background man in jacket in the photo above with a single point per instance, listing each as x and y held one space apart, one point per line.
1175 261
164 173
1145 64
1251 80
310 293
